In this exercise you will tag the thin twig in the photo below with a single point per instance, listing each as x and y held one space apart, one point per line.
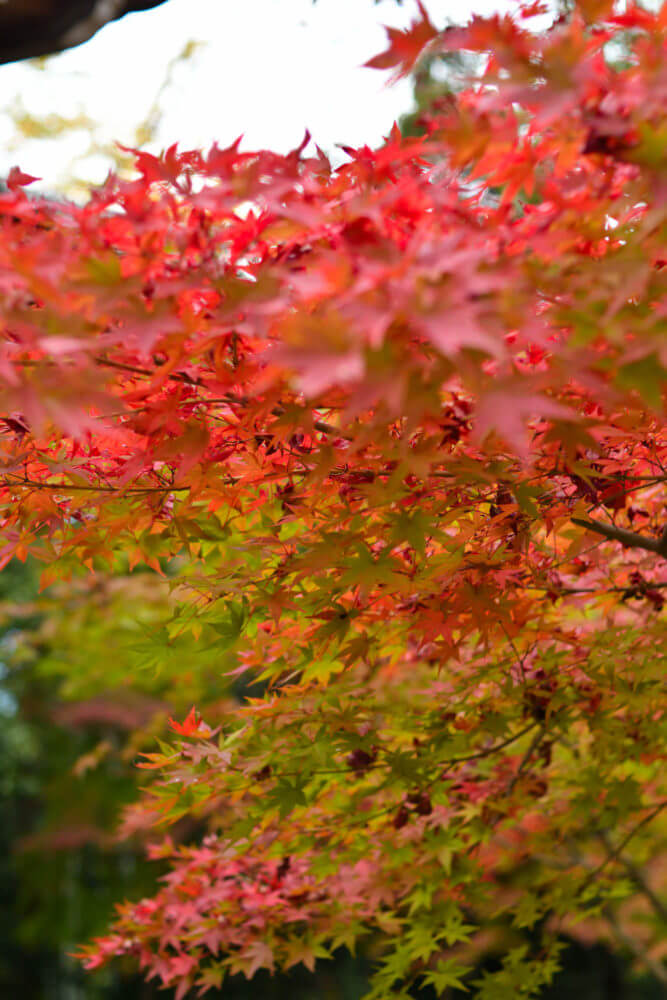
637 877
614 854
534 744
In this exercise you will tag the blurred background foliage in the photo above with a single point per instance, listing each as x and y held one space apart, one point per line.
90 671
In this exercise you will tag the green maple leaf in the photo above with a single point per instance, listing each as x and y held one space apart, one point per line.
448 974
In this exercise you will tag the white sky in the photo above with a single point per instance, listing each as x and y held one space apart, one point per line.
267 69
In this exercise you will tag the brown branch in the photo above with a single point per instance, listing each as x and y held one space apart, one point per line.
560 591
33 484
488 752
102 13
147 372
631 539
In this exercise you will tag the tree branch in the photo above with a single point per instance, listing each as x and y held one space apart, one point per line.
534 744
625 939
616 852
637 877
631 539
637 950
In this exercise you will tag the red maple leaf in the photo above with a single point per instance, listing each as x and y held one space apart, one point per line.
405 45
16 179
191 726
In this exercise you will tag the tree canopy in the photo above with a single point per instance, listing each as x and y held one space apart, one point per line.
390 438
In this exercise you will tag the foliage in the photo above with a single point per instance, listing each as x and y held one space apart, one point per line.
390 440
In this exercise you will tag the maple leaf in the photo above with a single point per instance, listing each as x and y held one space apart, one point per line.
257 955
191 726
406 45
17 179
305 953
510 409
